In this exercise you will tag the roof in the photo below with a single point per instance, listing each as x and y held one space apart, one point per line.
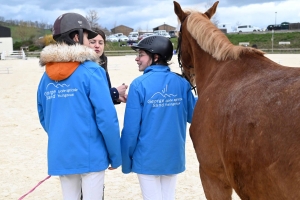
5 31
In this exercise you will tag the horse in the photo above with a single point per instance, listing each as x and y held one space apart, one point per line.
246 123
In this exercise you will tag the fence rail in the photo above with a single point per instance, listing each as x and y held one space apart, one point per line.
6 70
108 53
131 52
12 55
285 50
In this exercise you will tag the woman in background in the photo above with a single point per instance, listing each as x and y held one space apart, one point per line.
118 94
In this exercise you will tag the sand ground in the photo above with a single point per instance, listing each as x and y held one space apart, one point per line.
23 142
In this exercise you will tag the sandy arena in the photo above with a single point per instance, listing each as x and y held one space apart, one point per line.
23 144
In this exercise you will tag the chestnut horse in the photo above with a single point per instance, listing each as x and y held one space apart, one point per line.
246 124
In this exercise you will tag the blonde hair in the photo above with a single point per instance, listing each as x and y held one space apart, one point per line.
212 40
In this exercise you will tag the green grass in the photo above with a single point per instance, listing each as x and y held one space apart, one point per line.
263 41
20 33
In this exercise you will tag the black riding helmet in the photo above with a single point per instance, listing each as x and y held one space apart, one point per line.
68 23
156 44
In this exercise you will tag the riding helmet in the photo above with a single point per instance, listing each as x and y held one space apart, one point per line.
156 44
69 22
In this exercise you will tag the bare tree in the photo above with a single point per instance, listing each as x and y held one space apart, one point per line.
238 23
139 29
93 18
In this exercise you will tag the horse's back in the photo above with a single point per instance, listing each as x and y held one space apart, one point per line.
249 118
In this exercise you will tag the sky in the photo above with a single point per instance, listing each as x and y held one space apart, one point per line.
146 15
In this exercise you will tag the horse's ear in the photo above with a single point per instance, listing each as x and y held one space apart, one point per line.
210 12
179 12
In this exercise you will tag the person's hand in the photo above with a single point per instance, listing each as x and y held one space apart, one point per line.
111 168
122 92
123 98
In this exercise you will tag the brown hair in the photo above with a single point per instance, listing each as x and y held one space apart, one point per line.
100 32
103 58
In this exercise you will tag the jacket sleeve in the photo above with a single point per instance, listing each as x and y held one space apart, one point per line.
113 91
114 95
106 116
131 129
40 109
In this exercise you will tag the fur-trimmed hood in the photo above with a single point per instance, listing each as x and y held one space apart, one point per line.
62 60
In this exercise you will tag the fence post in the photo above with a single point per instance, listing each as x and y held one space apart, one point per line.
23 55
3 55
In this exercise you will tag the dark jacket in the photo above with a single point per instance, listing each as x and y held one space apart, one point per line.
113 91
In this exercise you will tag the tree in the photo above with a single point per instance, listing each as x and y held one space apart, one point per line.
23 31
93 18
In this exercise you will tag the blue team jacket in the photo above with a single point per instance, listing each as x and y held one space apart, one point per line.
159 105
81 122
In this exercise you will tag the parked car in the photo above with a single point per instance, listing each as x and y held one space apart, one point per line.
112 38
123 38
145 35
118 34
133 33
172 34
282 26
159 32
133 37
247 28
167 35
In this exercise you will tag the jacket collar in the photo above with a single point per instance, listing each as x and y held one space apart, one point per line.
62 60
156 68
67 53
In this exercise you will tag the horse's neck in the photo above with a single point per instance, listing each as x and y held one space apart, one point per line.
205 68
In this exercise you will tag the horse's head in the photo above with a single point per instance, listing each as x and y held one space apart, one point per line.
186 42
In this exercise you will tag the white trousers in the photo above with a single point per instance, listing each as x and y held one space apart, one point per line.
91 185
158 187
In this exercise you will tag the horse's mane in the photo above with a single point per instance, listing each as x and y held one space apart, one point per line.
212 40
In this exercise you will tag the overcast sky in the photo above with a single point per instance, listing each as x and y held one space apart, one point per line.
145 15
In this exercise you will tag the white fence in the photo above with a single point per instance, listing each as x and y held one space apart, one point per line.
13 55
6 70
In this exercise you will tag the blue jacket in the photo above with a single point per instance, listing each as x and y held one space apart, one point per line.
76 111
159 105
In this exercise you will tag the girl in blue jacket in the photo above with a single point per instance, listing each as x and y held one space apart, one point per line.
76 111
159 105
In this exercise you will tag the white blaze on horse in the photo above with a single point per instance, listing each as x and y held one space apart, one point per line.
246 124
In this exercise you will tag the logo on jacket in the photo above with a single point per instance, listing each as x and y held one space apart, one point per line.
59 90
163 99
164 93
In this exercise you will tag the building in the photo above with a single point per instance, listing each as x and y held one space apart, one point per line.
6 41
165 27
225 28
121 29
293 26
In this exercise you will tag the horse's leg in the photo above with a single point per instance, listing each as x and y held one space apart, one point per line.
212 172
214 187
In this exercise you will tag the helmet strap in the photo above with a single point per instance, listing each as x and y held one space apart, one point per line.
80 32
